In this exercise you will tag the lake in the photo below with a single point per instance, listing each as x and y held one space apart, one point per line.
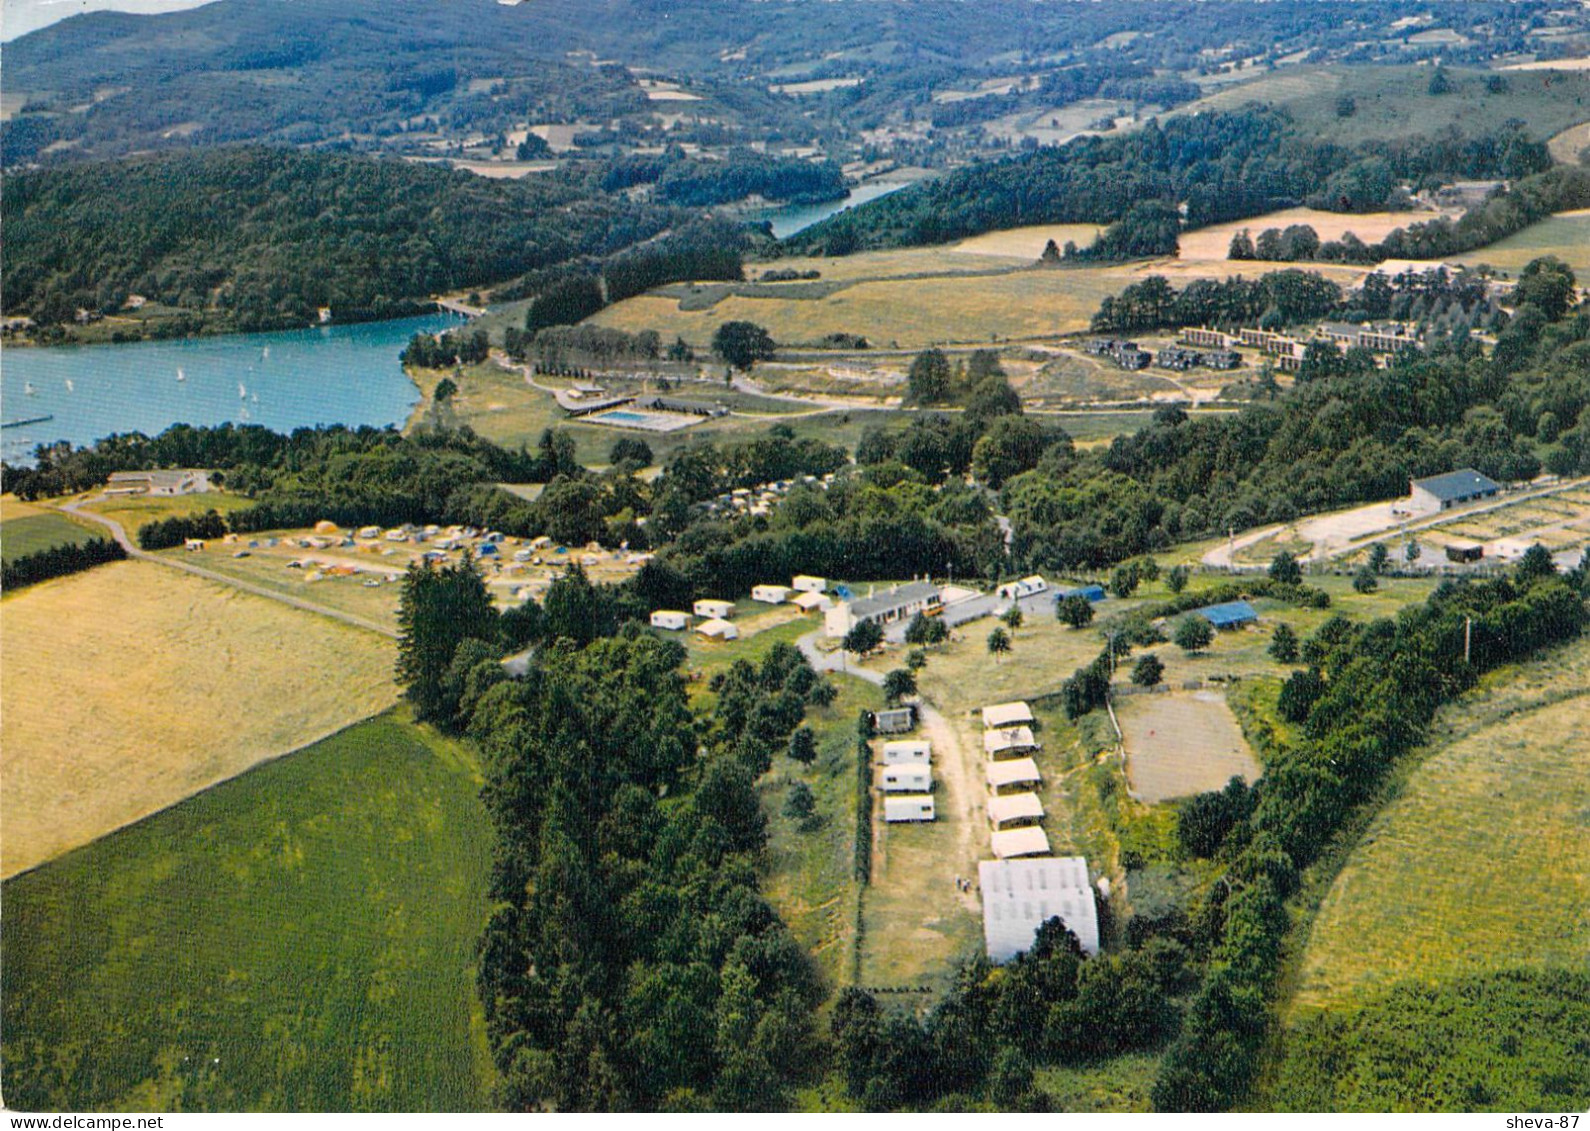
796 217
285 380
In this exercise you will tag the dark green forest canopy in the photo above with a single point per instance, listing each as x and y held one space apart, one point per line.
269 235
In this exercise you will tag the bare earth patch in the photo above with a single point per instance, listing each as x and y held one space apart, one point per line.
1181 744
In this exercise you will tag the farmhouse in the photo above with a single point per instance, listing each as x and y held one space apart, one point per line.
1014 808
718 629
910 777
1007 715
899 603
1230 614
1029 840
1008 740
808 601
907 751
1017 771
184 481
716 610
806 583
1026 587
1019 896
671 619
894 720
1442 492
771 594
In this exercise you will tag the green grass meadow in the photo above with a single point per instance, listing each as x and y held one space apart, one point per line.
300 937
37 532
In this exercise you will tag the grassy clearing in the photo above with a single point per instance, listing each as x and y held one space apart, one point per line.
1482 863
1394 102
299 938
1213 242
1027 244
132 511
1567 146
133 686
809 874
1567 236
42 531
1120 1084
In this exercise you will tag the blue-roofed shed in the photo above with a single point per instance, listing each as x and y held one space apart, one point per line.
1091 592
1231 614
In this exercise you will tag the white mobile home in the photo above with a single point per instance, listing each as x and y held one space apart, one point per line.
671 619
1007 715
1026 587
1010 740
909 777
1017 771
770 594
806 583
718 629
1019 896
894 720
1014 808
898 809
906 751
713 610
1027 841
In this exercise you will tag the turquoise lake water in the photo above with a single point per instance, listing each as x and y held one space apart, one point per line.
796 217
324 375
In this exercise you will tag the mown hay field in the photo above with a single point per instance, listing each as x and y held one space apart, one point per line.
1482 863
298 938
132 686
1213 242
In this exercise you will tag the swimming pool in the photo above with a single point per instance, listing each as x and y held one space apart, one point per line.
645 421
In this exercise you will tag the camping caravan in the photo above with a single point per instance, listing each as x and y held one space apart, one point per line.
1026 587
907 751
770 594
809 602
714 610
671 619
897 810
909 777
806 583
718 629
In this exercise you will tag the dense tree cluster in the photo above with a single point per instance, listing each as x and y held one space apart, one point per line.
441 351
58 561
262 238
162 534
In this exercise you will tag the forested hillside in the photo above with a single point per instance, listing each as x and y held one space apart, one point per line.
263 237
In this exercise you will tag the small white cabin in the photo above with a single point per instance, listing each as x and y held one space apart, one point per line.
671 619
811 602
713 610
770 594
718 629
906 751
806 583
1026 587
910 777
901 809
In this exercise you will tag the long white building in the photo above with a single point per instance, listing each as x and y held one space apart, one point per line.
1019 896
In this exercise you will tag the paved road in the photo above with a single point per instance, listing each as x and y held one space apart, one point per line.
832 661
118 533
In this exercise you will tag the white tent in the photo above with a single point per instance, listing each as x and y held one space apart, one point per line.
809 601
1014 807
770 594
1017 771
716 610
1010 740
718 629
1019 896
914 808
671 619
1007 715
906 751
911 777
1028 841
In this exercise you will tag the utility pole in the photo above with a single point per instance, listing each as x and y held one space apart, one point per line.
1468 632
